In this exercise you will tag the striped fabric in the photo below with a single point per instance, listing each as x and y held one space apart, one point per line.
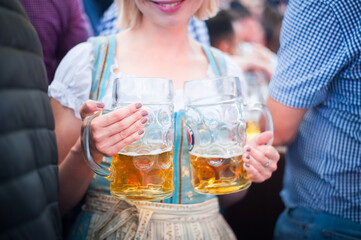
108 25
320 69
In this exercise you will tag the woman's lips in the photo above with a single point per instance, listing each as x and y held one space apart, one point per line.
168 6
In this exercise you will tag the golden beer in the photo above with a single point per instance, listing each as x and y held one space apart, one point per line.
218 175
142 177
253 128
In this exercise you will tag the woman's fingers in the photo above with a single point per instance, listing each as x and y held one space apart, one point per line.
115 128
89 107
257 172
119 114
270 152
256 175
100 132
115 148
260 161
135 127
129 121
106 144
263 155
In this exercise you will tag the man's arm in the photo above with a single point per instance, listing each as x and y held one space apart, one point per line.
310 56
286 121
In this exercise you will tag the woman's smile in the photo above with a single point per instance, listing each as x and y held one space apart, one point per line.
168 6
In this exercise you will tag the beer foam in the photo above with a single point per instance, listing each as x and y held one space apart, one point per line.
154 152
232 155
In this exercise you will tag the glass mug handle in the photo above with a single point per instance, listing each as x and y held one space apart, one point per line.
266 114
97 168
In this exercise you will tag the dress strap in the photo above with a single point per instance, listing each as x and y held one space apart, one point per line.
178 151
216 59
108 64
103 51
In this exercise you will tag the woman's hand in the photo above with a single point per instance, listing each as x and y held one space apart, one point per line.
260 160
111 132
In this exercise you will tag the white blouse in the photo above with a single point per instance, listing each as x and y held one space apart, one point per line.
73 78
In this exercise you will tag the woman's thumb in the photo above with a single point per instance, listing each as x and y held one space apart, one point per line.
89 107
261 139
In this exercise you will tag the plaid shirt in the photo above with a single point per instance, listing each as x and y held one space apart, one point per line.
196 28
320 69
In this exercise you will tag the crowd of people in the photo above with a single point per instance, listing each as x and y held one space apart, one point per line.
50 80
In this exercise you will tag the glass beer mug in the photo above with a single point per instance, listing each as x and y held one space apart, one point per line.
257 92
144 169
215 118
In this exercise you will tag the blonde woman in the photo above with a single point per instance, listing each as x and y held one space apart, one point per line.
155 44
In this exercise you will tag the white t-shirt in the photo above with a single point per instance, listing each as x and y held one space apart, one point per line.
73 78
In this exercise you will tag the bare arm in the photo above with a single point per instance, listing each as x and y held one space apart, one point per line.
74 178
74 174
67 128
286 121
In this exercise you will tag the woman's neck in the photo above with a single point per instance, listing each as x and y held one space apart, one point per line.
173 40
158 51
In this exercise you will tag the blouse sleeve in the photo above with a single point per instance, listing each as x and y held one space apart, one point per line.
72 81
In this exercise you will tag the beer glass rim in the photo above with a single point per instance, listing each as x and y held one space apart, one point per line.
196 101
158 79
210 79
144 78
168 90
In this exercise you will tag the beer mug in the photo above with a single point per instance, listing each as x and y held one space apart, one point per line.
142 170
215 118
257 92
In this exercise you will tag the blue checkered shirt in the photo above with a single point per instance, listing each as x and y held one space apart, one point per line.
108 25
320 69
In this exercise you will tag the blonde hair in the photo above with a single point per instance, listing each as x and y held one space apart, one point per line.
130 16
